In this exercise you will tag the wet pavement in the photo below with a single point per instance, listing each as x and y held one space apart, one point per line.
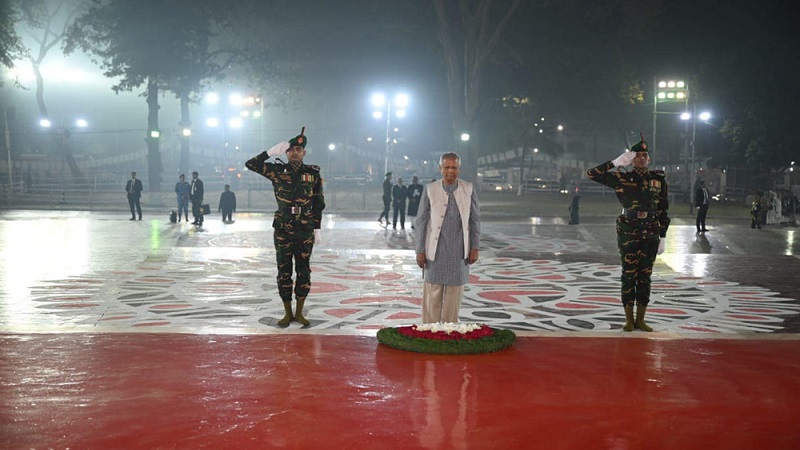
162 335
85 272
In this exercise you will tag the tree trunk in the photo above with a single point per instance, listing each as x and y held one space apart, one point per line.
154 166
186 123
468 37
60 139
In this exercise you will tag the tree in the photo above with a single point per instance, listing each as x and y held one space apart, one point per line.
578 63
47 22
469 33
175 45
745 62
11 47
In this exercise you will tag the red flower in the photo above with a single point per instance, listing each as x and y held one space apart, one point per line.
412 331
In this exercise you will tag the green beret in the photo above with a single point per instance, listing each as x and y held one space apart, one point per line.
641 146
388 174
300 139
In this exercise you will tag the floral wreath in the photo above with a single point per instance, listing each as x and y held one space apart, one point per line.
447 338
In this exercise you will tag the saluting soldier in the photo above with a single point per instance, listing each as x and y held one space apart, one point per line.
298 191
641 228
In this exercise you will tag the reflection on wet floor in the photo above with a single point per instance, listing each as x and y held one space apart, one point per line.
140 335
91 271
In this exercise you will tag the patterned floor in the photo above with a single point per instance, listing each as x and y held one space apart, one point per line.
364 277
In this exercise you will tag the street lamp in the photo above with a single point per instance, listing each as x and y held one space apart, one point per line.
331 148
563 133
667 91
398 104
704 117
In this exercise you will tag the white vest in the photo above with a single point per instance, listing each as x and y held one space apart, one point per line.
438 202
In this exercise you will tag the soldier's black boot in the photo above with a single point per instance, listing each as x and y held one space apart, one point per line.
628 318
288 317
640 311
298 314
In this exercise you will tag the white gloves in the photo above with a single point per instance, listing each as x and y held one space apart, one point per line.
624 159
278 149
317 237
662 244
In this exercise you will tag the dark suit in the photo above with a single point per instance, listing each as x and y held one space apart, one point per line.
227 204
399 197
196 197
134 189
701 198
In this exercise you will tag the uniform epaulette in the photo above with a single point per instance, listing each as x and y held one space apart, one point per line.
660 173
313 168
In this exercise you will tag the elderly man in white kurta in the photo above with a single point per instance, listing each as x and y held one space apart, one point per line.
448 227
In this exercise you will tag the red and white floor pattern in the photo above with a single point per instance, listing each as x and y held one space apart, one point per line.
229 284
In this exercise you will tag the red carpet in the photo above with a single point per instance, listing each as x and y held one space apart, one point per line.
137 391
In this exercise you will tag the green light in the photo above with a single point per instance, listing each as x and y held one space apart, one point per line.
155 235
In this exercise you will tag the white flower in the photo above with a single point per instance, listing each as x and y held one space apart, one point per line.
448 327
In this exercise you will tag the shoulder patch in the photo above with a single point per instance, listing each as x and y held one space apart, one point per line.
313 168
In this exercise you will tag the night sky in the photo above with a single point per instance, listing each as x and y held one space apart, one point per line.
348 49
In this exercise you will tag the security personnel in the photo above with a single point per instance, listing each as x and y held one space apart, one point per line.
298 191
641 228
387 199
399 197
755 212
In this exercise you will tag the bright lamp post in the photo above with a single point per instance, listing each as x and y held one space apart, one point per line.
704 117
387 106
667 91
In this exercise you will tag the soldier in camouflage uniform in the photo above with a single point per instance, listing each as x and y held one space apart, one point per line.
641 228
298 191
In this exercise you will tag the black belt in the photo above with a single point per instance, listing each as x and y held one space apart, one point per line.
295 209
639 214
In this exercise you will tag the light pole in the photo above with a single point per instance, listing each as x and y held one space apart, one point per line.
7 143
704 117
563 133
331 148
399 105
667 91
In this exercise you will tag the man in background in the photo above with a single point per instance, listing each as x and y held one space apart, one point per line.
701 198
134 189
399 197
387 199
196 193
182 193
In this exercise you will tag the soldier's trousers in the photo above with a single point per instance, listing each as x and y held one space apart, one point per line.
385 213
292 246
638 255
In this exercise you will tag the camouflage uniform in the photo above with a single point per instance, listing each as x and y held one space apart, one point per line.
298 192
645 220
